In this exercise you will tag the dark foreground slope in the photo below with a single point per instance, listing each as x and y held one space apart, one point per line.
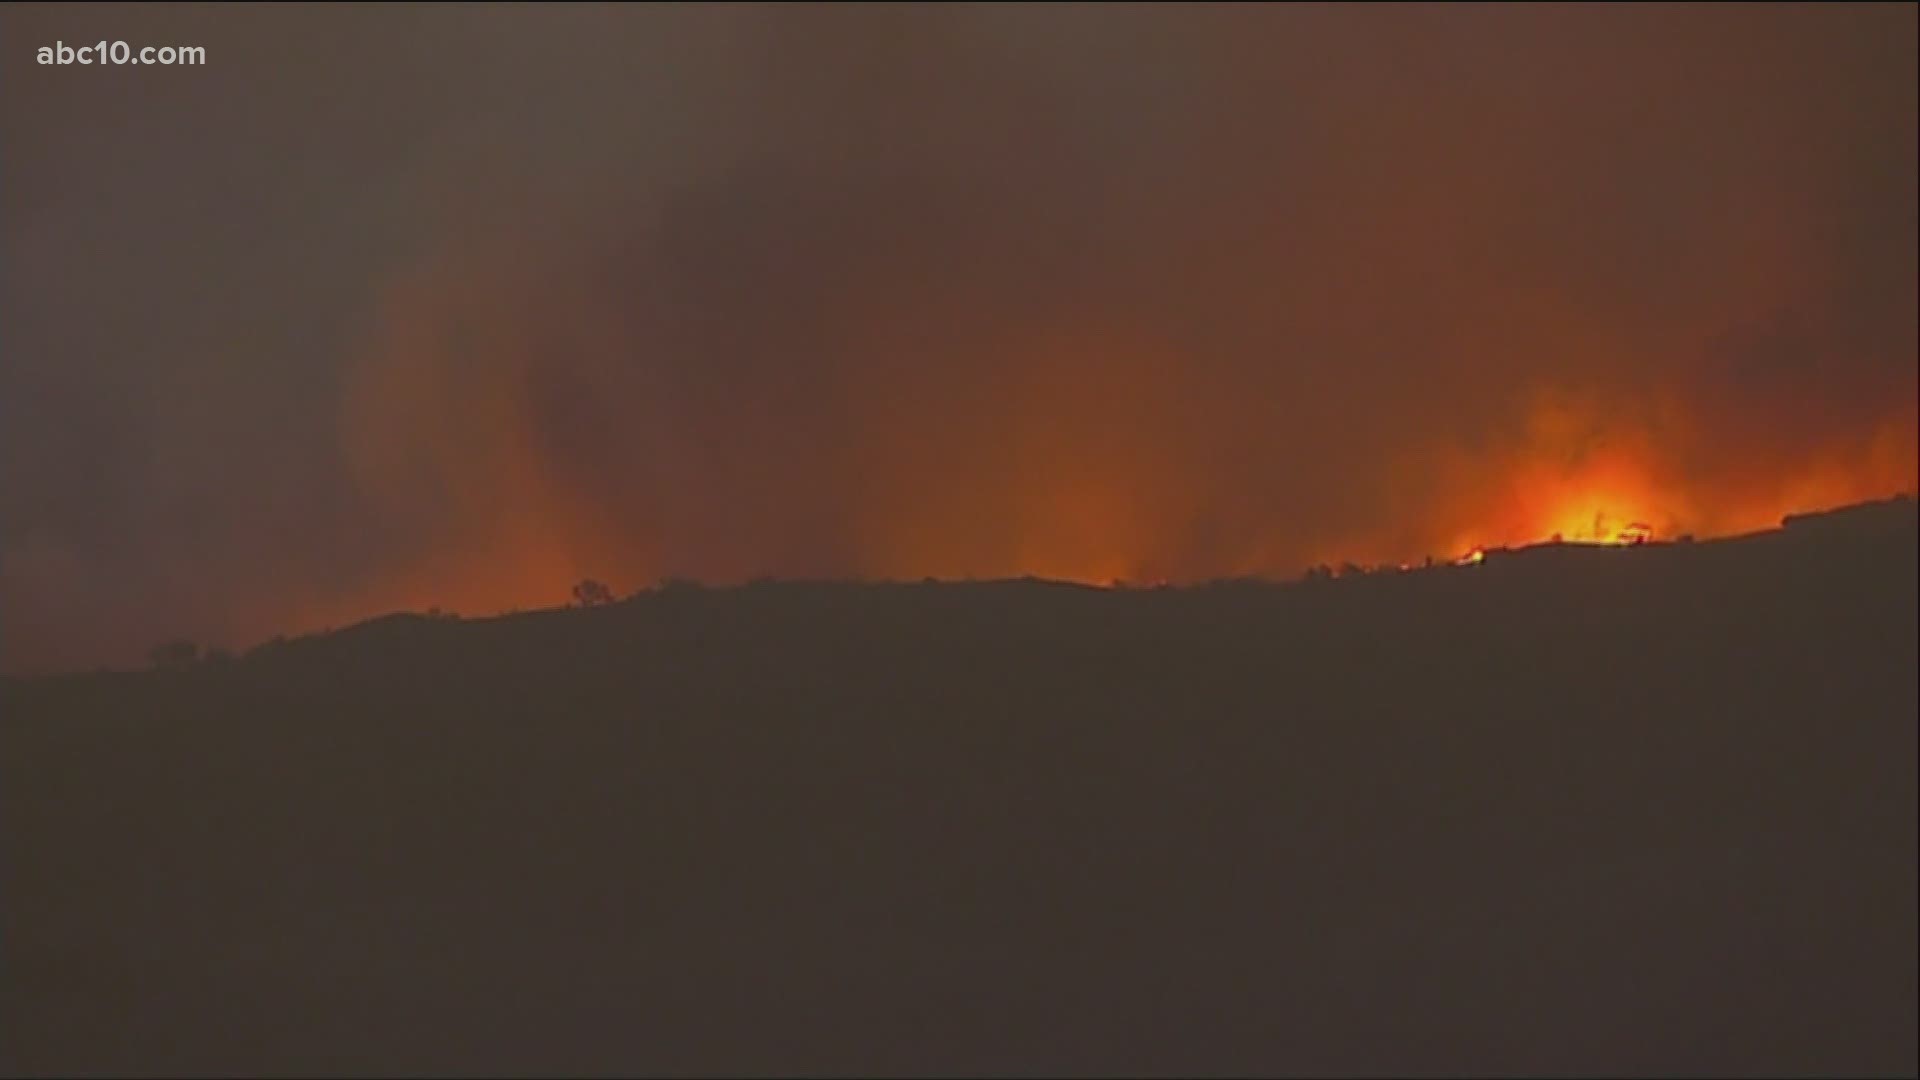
1649 810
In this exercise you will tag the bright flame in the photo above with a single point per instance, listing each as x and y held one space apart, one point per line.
1601 527
1580 475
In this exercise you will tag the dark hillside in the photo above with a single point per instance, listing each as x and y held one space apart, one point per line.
1647 810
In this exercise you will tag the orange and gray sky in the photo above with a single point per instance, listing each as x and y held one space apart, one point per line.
401 307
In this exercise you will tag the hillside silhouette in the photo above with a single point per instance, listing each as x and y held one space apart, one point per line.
1646 810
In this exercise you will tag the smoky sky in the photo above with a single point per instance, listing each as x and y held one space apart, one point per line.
406 306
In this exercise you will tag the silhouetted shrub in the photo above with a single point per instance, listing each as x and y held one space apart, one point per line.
174 654
678 584
591 593
218 655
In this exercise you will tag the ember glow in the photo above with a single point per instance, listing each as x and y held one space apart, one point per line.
1608 509
1128 294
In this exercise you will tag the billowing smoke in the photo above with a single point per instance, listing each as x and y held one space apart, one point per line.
1149 294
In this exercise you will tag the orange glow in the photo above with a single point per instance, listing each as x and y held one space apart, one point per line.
515 463
1574 479
1070 503
1094 535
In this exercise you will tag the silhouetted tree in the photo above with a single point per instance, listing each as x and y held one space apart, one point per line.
174 654
591 593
